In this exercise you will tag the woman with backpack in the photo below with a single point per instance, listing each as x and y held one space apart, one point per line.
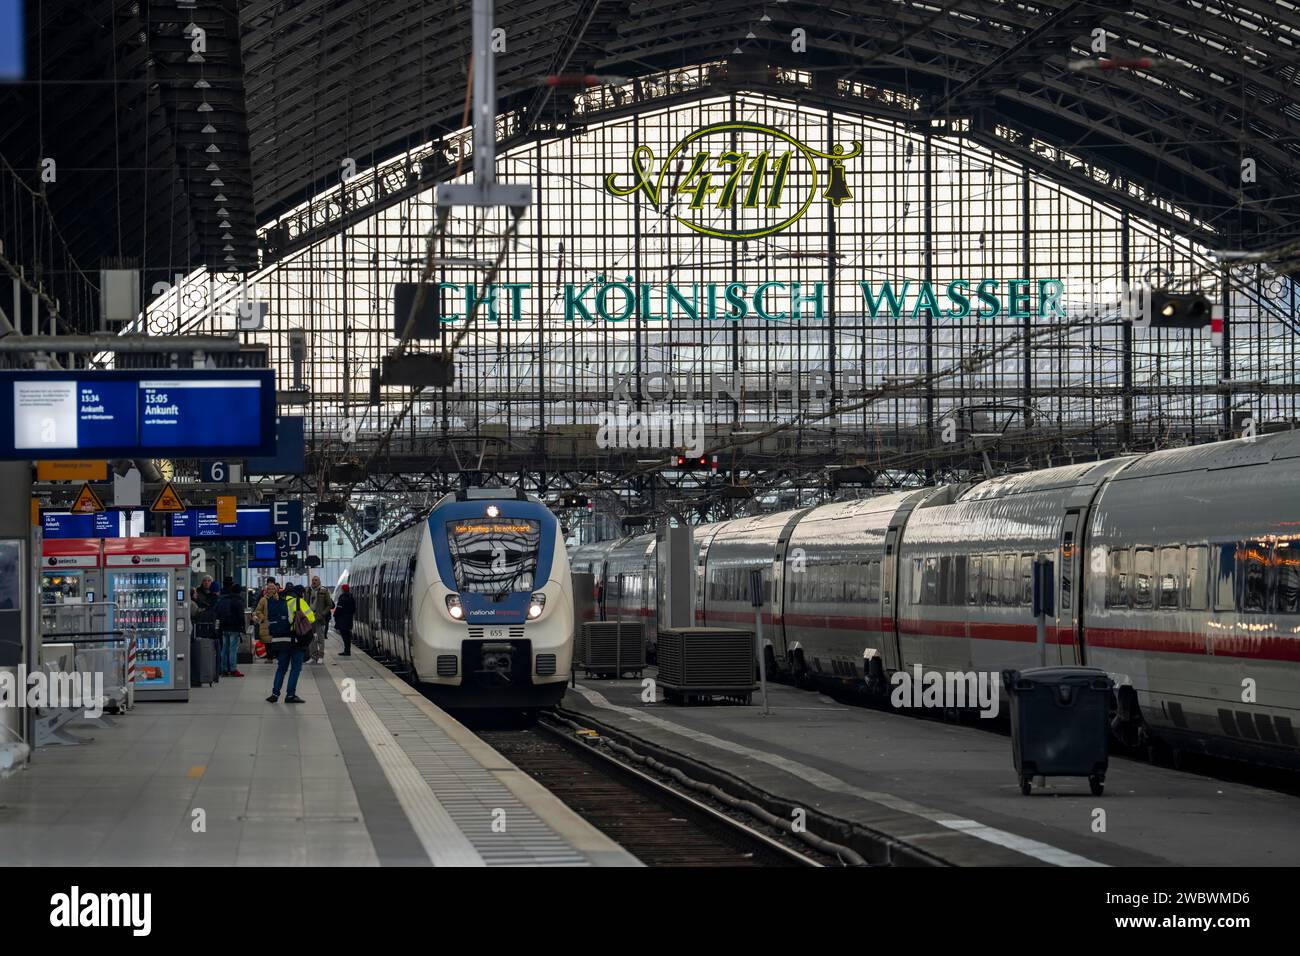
286 624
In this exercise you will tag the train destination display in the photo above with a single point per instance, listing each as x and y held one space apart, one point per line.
52 414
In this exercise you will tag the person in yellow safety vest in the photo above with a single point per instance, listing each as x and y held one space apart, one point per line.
277 618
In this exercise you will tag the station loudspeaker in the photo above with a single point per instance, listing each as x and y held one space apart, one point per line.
119 294
313 560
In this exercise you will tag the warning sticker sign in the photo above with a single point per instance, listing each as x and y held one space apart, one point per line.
87 502
167 501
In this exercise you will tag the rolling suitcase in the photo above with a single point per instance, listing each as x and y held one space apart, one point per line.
203 661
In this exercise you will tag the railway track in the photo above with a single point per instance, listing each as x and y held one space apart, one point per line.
656 823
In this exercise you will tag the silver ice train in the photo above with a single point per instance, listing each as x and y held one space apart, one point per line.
1178 572
474 600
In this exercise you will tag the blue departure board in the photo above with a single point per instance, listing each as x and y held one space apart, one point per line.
120 414
103 524
251 523
12 40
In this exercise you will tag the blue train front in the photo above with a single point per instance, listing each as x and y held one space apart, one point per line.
483 618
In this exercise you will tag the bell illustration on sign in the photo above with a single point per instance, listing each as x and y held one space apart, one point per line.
838 190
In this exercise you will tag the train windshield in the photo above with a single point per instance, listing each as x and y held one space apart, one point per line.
494 555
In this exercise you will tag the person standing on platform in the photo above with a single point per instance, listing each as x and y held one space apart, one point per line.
321 605
202 600
230 617
275 616
344 612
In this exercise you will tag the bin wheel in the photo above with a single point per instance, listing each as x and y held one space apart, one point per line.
1026 785
1097 785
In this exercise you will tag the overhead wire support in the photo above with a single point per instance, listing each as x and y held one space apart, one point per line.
483 193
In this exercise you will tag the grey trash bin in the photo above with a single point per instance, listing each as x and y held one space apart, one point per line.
1060 723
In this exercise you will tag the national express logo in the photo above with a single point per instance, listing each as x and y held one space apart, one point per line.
732 188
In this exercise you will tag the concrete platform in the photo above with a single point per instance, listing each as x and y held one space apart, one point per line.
366 772
948 793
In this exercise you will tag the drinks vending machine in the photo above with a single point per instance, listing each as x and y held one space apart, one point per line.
148 581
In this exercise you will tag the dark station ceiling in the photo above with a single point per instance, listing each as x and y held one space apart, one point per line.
114 93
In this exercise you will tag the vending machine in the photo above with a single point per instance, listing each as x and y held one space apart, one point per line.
148 581
71 576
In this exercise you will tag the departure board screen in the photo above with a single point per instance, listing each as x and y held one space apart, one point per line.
49 415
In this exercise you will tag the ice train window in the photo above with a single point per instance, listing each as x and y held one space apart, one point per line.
945 580
1144 560
1026 580
1287 560
930 582
1010 581
1254 564
1117 581
873 582
1196 582
1171 576
1224 595
992 580
974 582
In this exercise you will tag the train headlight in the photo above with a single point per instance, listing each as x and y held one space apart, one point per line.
493 511
453 606
535 605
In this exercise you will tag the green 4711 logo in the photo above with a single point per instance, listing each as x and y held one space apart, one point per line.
745 180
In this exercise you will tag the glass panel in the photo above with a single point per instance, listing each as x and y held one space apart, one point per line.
1144 560
974 583
1254 590
1010 581
931 582
1171 576
1197 556
1224 595
992 580
1287 559
494 555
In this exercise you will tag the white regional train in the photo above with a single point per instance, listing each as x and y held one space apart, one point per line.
1178 572
475 600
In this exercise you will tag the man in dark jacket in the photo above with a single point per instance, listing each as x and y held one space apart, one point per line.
230 616
344 611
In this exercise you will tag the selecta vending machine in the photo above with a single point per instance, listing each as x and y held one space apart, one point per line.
148 580
71 576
